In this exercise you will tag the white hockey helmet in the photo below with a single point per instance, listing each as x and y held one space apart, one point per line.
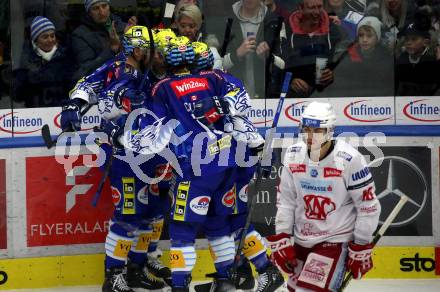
319 115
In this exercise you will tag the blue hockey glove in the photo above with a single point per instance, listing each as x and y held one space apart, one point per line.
71 115
129 99
210 110
113 130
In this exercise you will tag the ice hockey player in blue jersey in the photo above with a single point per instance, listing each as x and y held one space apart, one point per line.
137 204
192 100
243 131
87 90
114 86
121 88
204 187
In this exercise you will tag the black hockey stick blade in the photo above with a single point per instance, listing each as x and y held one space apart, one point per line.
45 133
205 287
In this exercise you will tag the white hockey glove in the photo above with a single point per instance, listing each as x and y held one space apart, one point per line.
244 131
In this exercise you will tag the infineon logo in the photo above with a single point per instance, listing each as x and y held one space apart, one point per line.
87 121
293 112
189 85
260 116
20 125
362 111
421 110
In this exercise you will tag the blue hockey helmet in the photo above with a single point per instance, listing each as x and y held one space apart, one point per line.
179 52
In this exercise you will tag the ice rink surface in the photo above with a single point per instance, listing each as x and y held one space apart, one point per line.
355 286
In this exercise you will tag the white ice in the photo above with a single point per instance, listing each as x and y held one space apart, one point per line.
432 285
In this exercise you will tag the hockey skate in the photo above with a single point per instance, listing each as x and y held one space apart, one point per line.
222 285
155 267
271 280
245 280
115 281
138 277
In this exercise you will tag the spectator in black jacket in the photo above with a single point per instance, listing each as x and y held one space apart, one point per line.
417 67
367 69
43 77
97 39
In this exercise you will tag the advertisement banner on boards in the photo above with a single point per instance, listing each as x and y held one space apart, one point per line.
390 173
351 111
28 122
3 219
417 110
59 204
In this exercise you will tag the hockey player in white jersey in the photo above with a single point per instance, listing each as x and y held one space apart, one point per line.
327 209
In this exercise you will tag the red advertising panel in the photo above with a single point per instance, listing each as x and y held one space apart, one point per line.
59 205
3 226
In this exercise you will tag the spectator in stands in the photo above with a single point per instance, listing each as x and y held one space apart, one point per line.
97 39
417 67
253 30
277 8
338 8
310 35
395 15
188 22
367 68
43 78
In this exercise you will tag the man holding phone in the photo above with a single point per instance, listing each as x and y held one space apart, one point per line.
253 28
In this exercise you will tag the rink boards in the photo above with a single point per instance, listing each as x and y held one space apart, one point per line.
80 270
50 235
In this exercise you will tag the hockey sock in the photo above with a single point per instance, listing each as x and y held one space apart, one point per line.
138 252
182 260
157 232
117 245
222 251
254 250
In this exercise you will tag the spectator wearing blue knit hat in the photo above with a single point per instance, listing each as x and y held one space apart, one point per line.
97 39
43 77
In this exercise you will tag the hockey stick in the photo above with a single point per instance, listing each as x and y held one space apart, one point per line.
271 57
255 183
378 235
227 37
45 131
108 165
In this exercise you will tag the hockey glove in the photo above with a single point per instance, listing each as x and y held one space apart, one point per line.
283 252
113 129
129 99
71 115
359 259
210 110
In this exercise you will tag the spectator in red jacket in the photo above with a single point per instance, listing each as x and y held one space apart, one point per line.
310 35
